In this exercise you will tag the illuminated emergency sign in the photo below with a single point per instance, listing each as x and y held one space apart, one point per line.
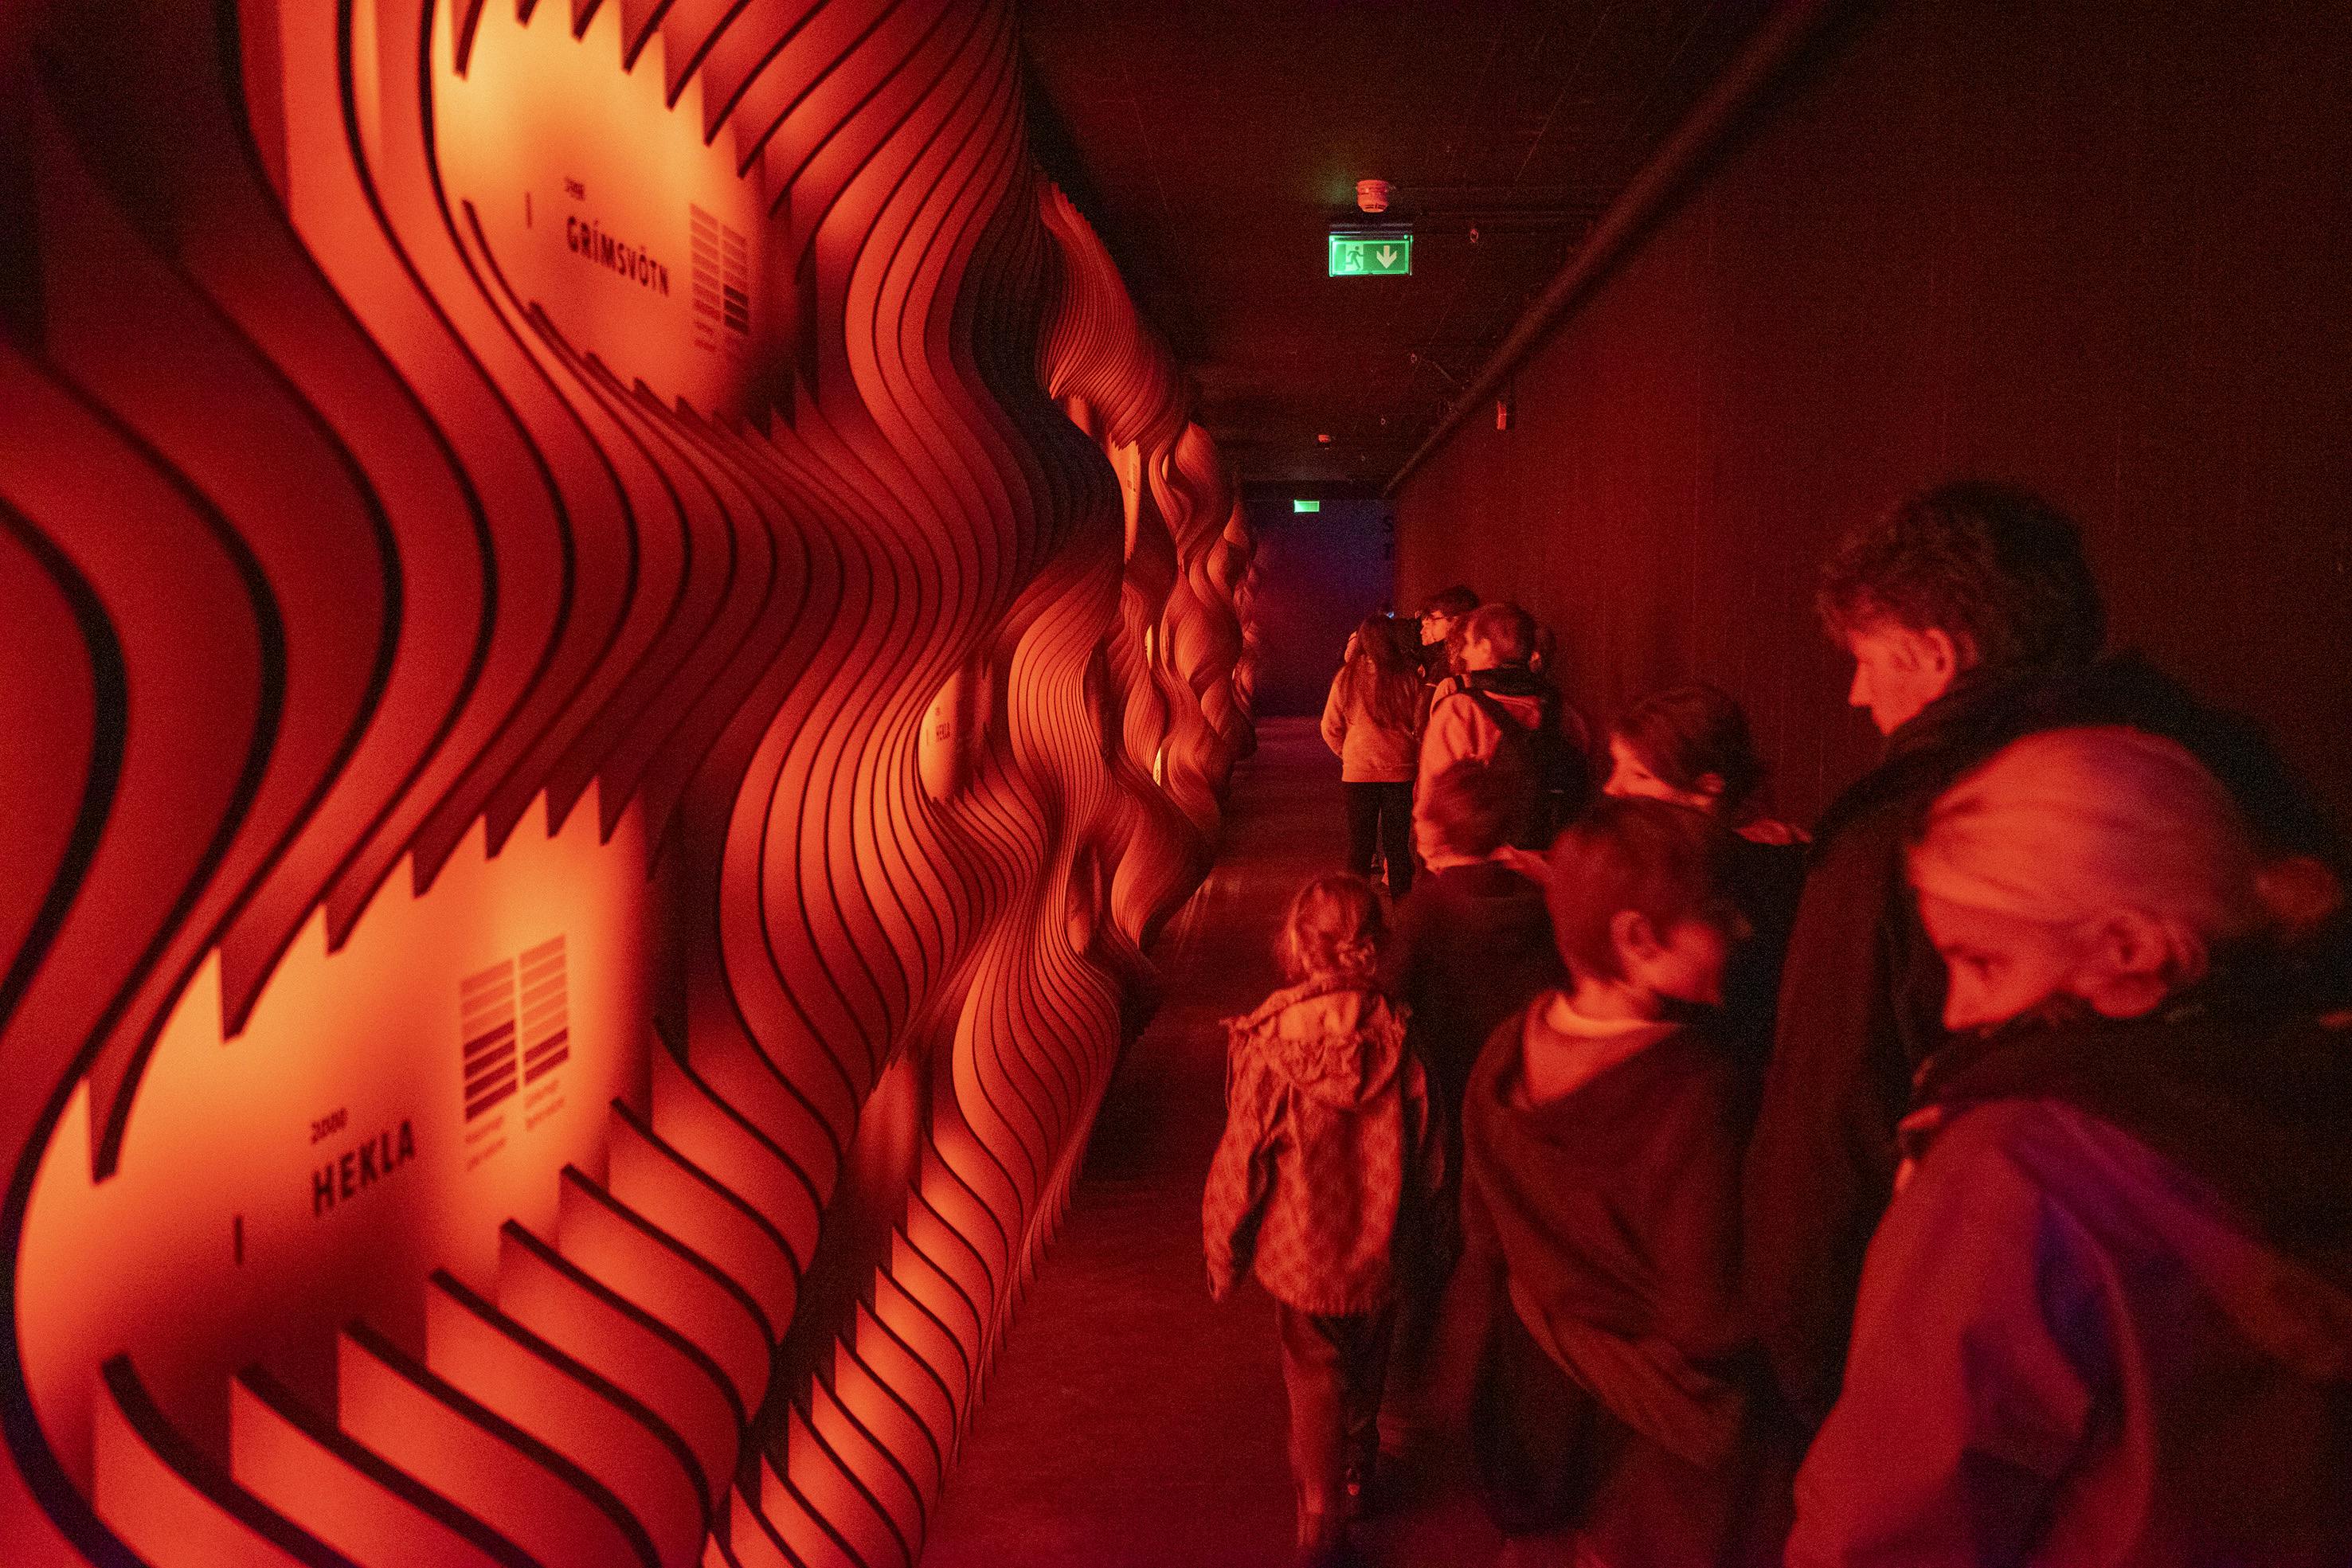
1355 253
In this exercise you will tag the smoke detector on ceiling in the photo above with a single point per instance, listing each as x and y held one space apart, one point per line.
1372 195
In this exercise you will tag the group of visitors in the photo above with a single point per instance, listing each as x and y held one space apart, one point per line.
1411 699
1971 1183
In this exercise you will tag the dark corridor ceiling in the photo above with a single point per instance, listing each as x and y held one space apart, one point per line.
1215 145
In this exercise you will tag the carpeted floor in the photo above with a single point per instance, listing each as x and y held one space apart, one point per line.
1130 1421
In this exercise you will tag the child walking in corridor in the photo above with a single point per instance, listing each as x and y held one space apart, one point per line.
1599 1207
1326 1177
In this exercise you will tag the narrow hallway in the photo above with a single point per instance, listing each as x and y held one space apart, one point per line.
1130 1421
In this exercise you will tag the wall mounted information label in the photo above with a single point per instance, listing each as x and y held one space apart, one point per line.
642 245
1359 255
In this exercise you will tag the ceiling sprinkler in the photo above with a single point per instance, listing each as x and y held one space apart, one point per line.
1372 195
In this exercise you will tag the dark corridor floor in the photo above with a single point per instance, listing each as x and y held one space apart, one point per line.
1130 1421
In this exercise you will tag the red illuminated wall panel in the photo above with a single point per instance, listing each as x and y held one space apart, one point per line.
352 1500
615 640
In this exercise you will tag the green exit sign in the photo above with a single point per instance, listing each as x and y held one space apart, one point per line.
1370 255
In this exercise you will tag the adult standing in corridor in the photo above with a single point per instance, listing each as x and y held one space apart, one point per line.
1973 618
1374 720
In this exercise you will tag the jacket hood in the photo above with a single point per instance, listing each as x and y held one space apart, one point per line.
1527 697
1333 1040
2233 1082
1581 1049
1511 681
1510 878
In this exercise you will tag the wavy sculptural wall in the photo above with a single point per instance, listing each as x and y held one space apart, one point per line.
615 638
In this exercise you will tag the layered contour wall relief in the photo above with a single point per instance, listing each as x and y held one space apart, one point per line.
614 639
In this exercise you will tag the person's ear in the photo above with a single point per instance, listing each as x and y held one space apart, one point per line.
2132 963
1938 655
1634 936
1947 654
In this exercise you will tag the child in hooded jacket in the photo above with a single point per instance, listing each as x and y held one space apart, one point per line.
1325 1181
1611 1422
2107 1317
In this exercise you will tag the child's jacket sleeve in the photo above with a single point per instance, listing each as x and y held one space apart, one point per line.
1240 1173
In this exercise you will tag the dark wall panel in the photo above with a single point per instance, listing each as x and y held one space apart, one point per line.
1318 574
2103 250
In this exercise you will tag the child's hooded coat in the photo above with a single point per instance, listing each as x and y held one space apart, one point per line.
1327 1166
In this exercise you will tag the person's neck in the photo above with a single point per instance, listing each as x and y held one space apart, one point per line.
1446 861
1613 1001
1966 700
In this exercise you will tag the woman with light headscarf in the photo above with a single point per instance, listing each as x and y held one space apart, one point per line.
2109 1317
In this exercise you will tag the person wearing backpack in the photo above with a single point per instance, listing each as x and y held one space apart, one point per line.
1504 705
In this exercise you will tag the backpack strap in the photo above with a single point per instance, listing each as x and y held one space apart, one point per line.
1504 718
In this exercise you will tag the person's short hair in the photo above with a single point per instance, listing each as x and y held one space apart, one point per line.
1474 805
1510 629
1665 861
1684 732
2067 825
1992 566
1450 602
1333 927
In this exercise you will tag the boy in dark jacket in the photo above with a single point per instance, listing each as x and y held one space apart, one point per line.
1600 1211
1475 947
1474 939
